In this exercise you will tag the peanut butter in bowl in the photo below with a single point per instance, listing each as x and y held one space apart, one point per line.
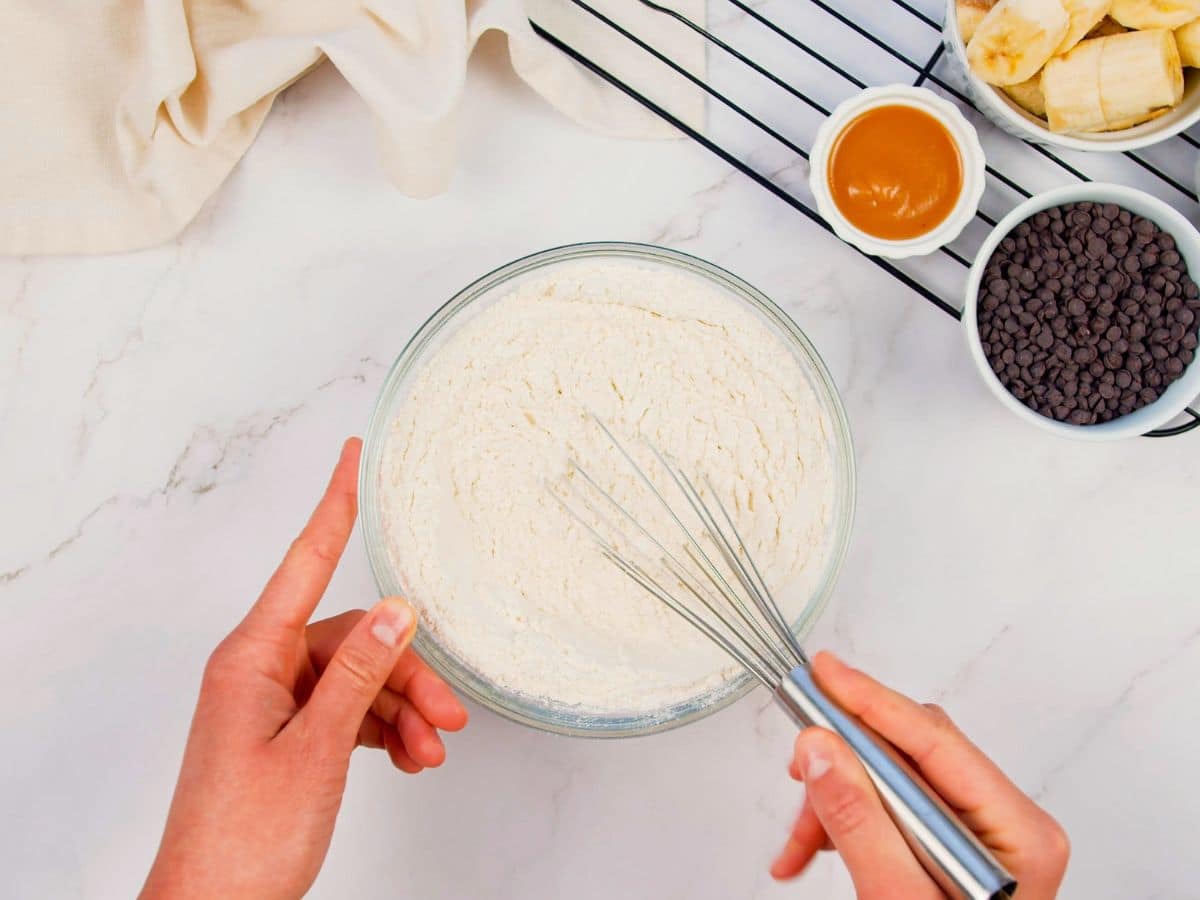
897 171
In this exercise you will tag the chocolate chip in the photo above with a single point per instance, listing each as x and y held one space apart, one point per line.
1087 312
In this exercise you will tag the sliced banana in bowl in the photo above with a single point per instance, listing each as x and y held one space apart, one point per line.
1015 40
1075 73
1140 15
1113 83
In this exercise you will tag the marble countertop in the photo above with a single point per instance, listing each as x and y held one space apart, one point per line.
168 417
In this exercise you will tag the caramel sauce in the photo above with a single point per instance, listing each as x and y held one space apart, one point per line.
895 172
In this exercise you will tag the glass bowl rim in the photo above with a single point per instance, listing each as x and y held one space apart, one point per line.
462 677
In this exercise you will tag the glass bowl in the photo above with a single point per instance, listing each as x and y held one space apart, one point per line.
538 712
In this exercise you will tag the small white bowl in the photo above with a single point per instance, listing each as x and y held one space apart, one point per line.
1173 400
1008 116
969 151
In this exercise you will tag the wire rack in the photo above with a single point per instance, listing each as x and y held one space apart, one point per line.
772 70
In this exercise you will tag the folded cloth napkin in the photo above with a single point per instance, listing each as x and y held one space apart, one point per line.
118 119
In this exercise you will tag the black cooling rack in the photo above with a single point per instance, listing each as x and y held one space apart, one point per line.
766 75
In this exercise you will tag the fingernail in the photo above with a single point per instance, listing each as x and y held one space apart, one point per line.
393 619
815 765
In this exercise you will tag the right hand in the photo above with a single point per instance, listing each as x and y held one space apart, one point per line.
842 810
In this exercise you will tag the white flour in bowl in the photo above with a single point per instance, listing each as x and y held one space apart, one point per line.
512 585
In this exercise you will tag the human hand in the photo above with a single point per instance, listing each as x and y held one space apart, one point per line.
282 706
842 811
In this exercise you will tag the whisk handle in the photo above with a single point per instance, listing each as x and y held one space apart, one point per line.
948 850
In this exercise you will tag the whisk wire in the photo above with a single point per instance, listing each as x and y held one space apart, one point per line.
762 649
708 566
760 638
726 550
751 663
626 514
763 644
723 588
757 641
761 652
770 607
699 557
680 572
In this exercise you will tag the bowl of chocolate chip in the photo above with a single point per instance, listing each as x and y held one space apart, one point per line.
1082 312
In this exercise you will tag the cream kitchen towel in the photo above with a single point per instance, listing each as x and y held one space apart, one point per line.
119 118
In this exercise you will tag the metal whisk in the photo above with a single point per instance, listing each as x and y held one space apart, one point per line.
733 606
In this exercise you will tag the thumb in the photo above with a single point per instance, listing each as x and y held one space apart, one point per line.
839 791
358 671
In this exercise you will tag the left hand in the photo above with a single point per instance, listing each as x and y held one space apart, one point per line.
282 706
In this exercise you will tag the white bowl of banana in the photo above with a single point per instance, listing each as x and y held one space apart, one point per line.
1102 75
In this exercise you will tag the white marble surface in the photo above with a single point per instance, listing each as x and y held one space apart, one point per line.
167 418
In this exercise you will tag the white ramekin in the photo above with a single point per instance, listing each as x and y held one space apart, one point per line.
1181 392
996 105
969 150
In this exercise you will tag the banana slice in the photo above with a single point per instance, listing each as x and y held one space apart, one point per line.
1188 39
1016 38
1071 89
969 14
1114 82
1085 15
1106 26
1028 95
1146 14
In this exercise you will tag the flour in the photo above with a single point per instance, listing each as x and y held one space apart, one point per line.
512 585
